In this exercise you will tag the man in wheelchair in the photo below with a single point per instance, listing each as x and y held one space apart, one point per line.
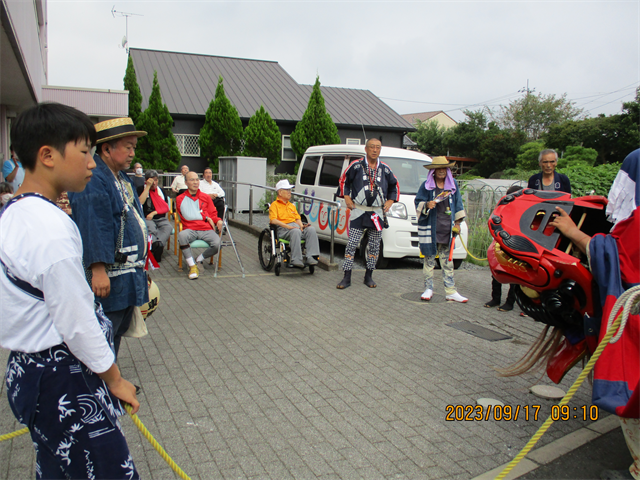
284 215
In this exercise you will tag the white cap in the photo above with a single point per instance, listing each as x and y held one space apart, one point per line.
283 185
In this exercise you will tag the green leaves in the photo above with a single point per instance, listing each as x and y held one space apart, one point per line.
316 126
158 149
135 97
221 135
262 137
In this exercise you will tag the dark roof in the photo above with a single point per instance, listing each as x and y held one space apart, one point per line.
188 84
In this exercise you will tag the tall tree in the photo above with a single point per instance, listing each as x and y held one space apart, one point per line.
534 114
135 97
262 137
316 126
158 149
429 136
221 134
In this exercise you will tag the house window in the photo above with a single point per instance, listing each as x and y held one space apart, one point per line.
353 141
188 144
287 152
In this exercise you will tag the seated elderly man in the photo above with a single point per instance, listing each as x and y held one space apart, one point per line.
155 208
215 191
284 215
199 219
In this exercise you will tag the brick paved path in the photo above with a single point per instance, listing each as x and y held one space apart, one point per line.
338 384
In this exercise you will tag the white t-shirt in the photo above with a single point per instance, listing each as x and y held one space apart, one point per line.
41 245
209 188
179 183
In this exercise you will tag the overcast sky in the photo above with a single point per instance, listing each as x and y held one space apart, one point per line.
416 56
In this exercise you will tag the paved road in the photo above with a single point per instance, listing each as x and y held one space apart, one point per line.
287 377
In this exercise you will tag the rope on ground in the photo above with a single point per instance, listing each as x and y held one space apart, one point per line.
17 433
155 444
469 253
142 429
622 306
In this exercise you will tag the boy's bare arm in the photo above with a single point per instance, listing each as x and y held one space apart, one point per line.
121 388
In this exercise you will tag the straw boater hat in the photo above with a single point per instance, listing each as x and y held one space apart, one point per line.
116 128
439 162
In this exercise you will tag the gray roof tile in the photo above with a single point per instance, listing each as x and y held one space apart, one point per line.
188 84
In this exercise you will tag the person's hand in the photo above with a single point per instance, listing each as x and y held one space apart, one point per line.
149 182
387 205
563 223
213 196
125 391
431 205
456 229
220 225
151 215
100 283
349 203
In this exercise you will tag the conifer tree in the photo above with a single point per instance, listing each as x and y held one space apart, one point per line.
316 126
262 137
135 97
221 134
158 149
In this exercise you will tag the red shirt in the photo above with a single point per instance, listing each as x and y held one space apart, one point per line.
206 210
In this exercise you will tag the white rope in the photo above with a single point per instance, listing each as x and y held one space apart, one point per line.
629 301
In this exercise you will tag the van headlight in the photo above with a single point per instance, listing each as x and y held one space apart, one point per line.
398 210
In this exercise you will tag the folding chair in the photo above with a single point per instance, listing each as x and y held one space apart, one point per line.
226 243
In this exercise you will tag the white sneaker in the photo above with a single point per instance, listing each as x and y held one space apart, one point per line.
456 297
426 295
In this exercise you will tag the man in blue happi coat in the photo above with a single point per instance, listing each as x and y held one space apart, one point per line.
111 223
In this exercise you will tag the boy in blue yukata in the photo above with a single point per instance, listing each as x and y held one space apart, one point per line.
61 378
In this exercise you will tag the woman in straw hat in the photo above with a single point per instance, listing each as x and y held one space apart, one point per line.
440 212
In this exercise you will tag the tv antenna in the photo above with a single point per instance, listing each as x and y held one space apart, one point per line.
125 40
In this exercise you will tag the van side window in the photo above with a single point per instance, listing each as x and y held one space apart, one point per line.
331 170
309 169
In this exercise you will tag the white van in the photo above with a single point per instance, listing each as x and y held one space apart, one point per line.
318 176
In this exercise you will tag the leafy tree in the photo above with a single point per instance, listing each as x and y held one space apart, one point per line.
464 139
316 126
585 179
612 137
498 149
158 149
429 137
576 156
221 134
527 159
135 97
262 137
534 114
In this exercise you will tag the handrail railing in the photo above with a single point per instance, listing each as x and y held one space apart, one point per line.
332 204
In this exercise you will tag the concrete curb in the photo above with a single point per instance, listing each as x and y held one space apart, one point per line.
554 450
323 263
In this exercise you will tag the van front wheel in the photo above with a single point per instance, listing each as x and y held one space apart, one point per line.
364 252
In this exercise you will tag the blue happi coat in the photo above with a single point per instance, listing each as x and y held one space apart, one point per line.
97 211
427 223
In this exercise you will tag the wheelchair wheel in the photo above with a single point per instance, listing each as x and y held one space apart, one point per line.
267 258
278 270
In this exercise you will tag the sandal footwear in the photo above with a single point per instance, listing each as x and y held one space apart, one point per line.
507 307
492 303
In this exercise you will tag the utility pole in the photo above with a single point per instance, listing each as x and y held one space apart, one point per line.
125 39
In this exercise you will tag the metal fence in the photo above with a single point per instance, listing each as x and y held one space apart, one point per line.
479 200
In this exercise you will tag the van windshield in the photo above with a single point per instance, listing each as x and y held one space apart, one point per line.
410 173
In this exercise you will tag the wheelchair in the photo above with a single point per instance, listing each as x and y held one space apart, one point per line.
276 252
